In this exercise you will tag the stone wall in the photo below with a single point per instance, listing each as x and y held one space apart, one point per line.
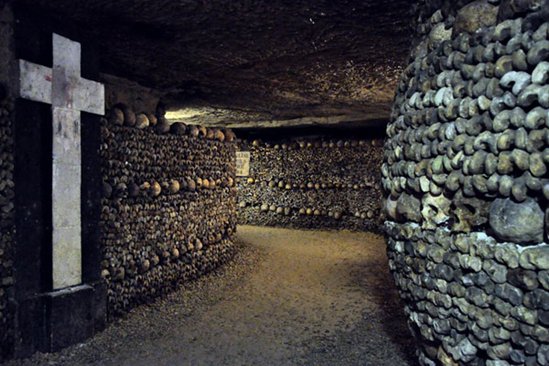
316 182
168 203
465 174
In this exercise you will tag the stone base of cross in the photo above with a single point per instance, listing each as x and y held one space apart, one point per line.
63 87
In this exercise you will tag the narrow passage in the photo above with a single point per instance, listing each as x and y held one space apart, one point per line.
290 297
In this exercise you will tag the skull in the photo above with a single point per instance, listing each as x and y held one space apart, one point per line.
409 206
391 208
435 211
469 213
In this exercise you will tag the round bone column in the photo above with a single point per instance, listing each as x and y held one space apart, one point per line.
466 183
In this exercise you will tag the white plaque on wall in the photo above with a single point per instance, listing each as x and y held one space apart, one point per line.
242 163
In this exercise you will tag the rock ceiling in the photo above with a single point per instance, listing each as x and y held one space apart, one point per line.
268 63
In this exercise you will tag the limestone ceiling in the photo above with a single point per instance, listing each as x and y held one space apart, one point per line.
244 61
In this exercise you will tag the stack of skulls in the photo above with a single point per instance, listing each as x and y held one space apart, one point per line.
313 182
7 223
467 187
168 207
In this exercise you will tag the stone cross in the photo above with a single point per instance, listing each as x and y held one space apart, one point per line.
69 94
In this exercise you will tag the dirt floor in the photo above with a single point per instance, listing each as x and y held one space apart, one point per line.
290 297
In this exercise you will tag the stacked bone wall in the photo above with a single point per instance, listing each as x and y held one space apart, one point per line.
168 207
466 181
7 186
312 182
7 224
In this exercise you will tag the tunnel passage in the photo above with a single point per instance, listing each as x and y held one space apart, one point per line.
464 174
466 182
157 190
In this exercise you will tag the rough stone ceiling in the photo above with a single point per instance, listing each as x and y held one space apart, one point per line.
308 61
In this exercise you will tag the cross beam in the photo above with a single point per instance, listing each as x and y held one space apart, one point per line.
63 87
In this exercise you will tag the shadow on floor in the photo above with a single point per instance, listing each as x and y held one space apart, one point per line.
382 336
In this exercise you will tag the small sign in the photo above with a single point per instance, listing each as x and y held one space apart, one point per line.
242 163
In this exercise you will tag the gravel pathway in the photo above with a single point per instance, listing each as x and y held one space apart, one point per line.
290 297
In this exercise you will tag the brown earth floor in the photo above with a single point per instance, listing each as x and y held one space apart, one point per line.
290 297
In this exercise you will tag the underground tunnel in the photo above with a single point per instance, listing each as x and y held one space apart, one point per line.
275 183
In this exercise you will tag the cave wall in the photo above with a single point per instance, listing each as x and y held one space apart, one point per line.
465 178
129 94
315 182
168 206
